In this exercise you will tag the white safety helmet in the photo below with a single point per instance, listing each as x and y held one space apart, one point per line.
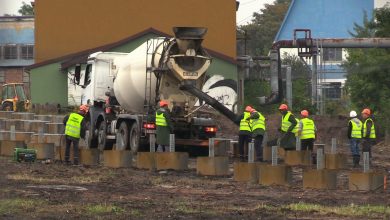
352 114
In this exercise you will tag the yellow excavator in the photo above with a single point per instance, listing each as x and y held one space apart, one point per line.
14 98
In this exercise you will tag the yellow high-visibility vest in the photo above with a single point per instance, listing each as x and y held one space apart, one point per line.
244 123
161 120
73 125
356 131
308 129
286 124
258 122
372 132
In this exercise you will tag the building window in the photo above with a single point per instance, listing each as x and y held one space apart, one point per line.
332 54
333 91
1 52
10 52
27 52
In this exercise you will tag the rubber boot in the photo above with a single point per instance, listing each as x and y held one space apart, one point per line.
356 160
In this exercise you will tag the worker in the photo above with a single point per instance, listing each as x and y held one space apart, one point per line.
258 130
307 134
245 133
288 128
354 136
368 131
164 126
74 129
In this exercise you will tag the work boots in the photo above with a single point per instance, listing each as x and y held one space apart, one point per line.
356 160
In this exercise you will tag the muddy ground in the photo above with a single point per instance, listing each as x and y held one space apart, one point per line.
58 191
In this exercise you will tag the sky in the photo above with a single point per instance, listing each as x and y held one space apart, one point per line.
244 13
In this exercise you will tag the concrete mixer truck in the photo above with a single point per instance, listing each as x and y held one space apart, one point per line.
123 90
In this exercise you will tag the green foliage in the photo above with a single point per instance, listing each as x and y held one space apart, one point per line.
368 80
300 84
26 9
262 30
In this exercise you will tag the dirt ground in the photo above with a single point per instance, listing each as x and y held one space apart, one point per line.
58 191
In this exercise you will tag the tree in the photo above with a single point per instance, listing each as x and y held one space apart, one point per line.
368 79
260 33
26 9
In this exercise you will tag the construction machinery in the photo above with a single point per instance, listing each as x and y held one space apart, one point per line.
123 90
14 98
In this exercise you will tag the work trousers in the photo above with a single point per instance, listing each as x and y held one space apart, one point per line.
354 144
243 140
259 147
307 144
75 142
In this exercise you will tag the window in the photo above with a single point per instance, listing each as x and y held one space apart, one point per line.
1 52
10 52
333 91
332 54
27 52
87 78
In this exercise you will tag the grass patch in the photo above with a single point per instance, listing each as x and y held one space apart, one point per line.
26 177
100 209
13 206
350 210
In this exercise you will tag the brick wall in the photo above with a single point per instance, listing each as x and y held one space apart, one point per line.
15 75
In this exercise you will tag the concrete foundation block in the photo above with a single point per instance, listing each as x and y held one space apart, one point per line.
43 117
6 114
275 175
15 136
146 160
38 126
57 118
359 181
55 128
117 158
267 153
294 158
246 172
281 152
7 147
89 156
335 161
44 151
212 166
171 160
23 115
320 179
221 148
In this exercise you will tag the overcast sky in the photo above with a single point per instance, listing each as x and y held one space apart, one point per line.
244 13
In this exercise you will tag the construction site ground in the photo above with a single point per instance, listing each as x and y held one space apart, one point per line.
58 191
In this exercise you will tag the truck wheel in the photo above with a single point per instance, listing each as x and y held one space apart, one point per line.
123 136
103 143
90 141
134 138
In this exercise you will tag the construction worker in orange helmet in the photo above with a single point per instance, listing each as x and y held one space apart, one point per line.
245 132
164 126
368 131
307 133
288 128
258 124
74 130
354 136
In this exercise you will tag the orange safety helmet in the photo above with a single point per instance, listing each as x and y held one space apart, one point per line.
305 113
283 107
248 108
163 103
366 111
84 108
